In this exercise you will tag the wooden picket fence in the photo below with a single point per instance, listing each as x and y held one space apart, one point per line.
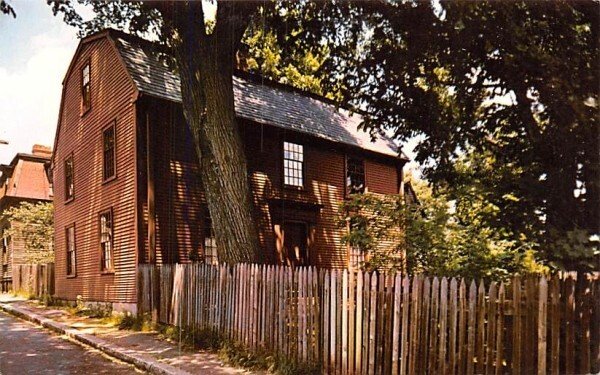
373 323
33 279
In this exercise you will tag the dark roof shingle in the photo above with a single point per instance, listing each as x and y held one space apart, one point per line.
253 101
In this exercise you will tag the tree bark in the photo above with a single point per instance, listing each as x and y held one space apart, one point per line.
206 64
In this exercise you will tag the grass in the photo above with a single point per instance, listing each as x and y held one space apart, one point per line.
134 322
230 352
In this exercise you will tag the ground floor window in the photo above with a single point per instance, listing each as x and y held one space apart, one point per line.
71 258
210 242
4 252
356 257
106 240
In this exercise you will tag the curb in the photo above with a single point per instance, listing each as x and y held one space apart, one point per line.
140 361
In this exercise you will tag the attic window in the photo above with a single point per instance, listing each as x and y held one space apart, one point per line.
293 164
86 97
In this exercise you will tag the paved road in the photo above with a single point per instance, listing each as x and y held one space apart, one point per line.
27 349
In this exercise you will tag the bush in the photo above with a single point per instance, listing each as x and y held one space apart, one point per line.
434 238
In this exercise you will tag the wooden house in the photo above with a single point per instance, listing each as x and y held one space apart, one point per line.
24 179
127 179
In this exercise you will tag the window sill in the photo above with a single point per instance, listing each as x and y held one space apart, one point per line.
109 180
107 273
85 112
71 276
293 187
69 200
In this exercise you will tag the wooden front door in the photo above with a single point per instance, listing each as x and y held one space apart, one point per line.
295 243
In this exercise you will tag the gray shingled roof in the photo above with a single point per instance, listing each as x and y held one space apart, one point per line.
266 104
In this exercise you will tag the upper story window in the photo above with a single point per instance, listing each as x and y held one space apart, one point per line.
69 179
293 164
86 96
106 241
108 153
355 175
71 258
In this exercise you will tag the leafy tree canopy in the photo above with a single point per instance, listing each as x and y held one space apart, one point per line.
503 97
33 224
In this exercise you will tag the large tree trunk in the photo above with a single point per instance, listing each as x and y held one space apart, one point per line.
206 64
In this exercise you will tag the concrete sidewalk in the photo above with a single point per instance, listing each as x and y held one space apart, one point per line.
145 350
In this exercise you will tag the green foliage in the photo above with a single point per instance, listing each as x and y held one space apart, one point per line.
233 353
510 86
34 225
375 223
134 322
574 249
435 237
282 56
236 354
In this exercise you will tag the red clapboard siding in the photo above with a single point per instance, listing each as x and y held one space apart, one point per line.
112 95
381 177
179 200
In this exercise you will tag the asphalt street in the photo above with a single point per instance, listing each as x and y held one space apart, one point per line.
27 349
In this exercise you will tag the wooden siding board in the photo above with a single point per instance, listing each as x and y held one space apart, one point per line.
178 193
112 95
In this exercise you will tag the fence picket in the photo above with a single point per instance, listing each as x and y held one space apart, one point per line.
472 328
360 322
434 328
453 321
541 331
570 326
344 319
396 325
500 331
462 326
491 329
405 326
372 322
481 310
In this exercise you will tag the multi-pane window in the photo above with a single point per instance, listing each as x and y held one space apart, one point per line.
69 180
355 175
86 97
106 240
293 160
210 243
108 153
71 260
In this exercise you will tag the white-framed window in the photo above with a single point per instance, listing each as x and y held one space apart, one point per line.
71 251
210 242
106 241
355 175
86 94
293 164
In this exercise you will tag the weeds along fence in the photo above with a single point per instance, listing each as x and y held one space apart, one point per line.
33 279
373 323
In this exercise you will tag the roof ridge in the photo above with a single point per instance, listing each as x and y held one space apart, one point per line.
307 112
252 76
